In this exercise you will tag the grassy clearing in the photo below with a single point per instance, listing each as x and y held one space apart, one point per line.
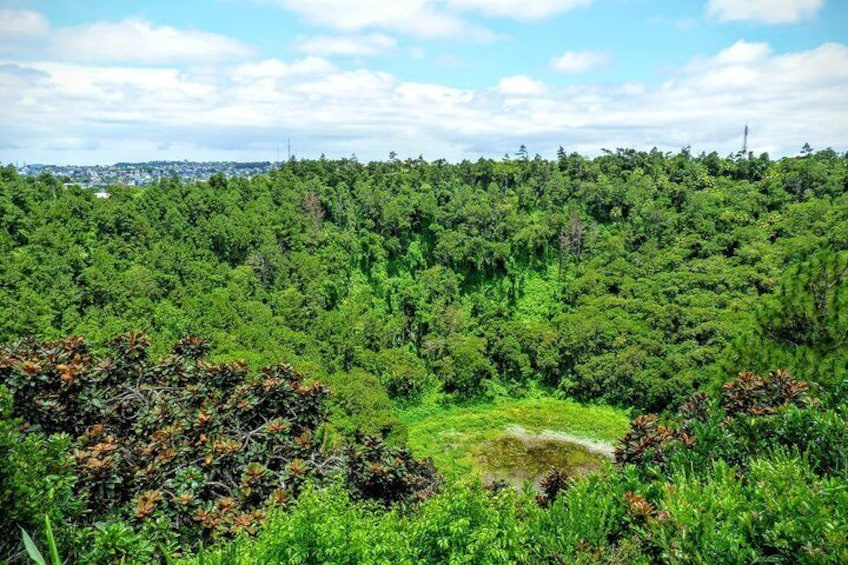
454 437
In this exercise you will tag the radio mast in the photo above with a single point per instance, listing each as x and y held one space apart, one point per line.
745 142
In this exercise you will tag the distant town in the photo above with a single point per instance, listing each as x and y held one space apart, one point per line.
140 174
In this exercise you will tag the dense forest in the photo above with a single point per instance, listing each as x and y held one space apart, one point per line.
705 297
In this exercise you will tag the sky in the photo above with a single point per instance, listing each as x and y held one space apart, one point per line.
97 82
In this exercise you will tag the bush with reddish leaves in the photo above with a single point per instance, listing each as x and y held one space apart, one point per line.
753 395
648 441
204 446
554 483
388 474
752 414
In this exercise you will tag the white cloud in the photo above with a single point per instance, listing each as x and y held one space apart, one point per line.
135 40
742 52
766 11
521 85
424 18
22 23
276 69
415 93
123 112
347 45
129 41
418 17
579 61
519 9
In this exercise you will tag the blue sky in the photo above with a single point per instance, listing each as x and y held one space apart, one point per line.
102 81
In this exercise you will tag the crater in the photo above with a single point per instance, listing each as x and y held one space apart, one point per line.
520 456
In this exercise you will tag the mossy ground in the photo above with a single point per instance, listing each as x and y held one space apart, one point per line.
459 439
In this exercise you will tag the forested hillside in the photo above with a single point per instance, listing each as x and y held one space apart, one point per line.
633 279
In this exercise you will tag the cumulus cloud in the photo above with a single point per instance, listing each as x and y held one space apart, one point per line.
22 22
521 85
519 9
424 18
579 61
132 40
276 69
742 52
765 11
21 28
347 45
140 41
418 17
137 113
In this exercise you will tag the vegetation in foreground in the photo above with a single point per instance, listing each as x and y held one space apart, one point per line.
634 279
730 479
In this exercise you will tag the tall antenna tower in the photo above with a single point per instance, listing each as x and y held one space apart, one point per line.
745 142
288 141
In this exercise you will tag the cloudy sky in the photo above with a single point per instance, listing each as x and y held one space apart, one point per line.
88 81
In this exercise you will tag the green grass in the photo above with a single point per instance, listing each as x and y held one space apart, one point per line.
453 436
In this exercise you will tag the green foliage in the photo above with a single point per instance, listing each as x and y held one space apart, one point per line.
772 507
360 407
804 324
585 516
404 374
33 551
469 525
464 366
182 439
633 279
36 479
752 416
324 527
115 542
704 520
623 279
800 513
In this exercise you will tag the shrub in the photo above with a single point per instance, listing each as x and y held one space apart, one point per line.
181 445
359 407
751 415
36 479
703 520
325 526
468 525
203 445
403 374
554 483
587 517
115 542
388 475
795 516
